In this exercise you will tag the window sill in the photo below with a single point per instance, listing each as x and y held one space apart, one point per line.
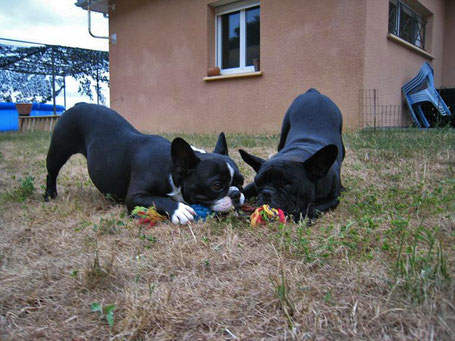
411 47
233 75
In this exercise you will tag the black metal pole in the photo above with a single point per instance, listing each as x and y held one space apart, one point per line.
97 87
53 81
64 91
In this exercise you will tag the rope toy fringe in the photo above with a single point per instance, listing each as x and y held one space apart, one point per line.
148 216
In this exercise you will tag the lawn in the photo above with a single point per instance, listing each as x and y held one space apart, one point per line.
380 266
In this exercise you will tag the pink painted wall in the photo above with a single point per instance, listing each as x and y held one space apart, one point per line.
164 48
448 59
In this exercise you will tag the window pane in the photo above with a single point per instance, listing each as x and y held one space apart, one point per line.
393 18
252 34
420 34
407 25
411 24
230 40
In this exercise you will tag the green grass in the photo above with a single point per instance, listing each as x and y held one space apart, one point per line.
384 258
23 189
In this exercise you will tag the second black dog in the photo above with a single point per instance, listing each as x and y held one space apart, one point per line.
303 178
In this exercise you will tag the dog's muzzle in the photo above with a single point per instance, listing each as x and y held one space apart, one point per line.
234 199
237 197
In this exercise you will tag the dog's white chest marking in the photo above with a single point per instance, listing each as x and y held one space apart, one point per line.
176 193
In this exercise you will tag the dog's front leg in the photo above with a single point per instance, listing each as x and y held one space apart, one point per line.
177 212
315 210
250 191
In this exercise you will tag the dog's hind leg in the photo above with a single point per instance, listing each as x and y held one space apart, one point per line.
61 148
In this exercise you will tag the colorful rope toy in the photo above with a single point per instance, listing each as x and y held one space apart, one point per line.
265 214
147 216
261 215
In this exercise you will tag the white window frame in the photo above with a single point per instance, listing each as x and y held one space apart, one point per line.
241 6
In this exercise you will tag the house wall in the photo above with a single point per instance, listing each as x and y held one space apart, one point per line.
448 59
390 64
164 48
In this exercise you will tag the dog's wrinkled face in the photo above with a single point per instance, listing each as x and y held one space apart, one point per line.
287 184
284 185
211 179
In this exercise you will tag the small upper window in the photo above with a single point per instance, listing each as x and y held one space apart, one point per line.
406 23
238 37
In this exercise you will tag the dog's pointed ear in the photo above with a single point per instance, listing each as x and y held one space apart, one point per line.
221 145
254 161
183 155
318 165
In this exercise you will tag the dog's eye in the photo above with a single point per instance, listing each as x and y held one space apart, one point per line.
217 186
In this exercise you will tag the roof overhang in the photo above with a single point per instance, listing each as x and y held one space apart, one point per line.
101 6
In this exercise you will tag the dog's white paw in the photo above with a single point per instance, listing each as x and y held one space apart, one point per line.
183 214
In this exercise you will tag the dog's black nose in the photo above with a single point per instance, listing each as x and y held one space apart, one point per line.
235 195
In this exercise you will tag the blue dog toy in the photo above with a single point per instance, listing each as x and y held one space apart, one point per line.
202 212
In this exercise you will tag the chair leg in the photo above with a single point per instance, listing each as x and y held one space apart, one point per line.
422 117
411 111
414 117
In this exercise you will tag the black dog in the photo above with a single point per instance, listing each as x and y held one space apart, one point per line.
303 178
146 170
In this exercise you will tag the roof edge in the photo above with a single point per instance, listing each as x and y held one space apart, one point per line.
100 6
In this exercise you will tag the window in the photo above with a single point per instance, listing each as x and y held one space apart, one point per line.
406 23
238 37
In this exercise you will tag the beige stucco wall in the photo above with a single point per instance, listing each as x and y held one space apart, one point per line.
164 48
448 59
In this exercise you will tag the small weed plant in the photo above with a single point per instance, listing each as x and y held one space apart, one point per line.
24 189
105 313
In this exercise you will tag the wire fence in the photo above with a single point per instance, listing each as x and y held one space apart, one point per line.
374 115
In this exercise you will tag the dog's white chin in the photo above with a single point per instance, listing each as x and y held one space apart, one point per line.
223 205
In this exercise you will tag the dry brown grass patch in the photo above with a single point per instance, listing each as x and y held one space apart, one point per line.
222 279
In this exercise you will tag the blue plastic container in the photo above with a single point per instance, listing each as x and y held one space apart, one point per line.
42 109
9 117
